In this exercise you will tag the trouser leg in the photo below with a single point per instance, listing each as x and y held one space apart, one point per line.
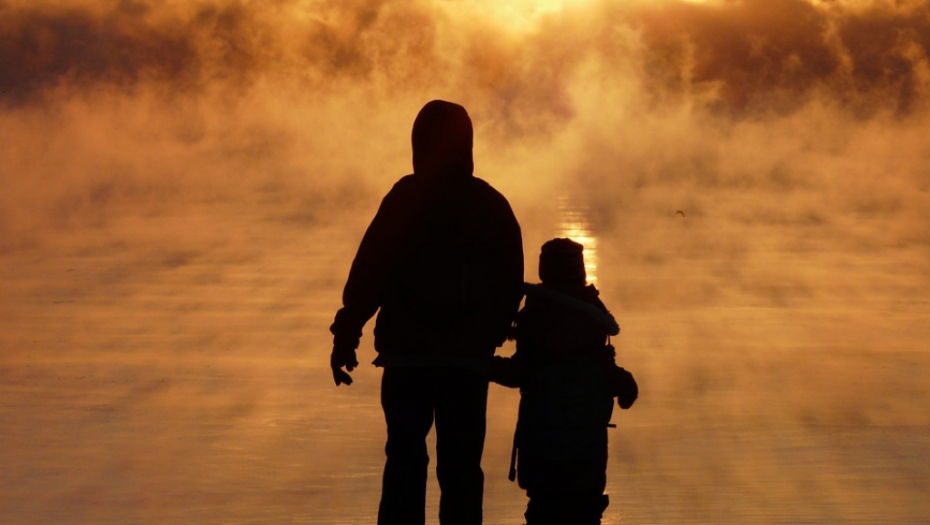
406 398
461 408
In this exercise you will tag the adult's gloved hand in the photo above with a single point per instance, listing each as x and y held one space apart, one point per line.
343 357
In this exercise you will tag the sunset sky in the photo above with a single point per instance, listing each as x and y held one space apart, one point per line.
114 100
784 120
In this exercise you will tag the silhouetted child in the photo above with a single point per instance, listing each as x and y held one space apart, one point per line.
565 369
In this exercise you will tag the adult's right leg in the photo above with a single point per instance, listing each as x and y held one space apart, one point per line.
461 415
406 397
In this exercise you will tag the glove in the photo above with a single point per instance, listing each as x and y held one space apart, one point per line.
343 357
623 387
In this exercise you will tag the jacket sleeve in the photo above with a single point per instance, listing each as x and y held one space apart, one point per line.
378 256
512 242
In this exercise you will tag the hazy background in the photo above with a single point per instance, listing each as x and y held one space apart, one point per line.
184 184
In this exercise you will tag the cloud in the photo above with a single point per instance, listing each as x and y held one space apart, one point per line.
108 106
185 47
740 58
759 56
44 47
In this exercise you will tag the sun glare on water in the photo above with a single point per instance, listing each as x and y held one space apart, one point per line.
575 225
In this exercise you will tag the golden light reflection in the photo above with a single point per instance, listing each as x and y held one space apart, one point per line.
575 224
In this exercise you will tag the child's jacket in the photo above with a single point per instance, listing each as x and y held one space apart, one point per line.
562 366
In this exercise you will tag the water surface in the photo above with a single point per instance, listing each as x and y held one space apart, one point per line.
173 370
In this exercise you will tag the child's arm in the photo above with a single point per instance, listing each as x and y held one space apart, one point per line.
623 387
505 371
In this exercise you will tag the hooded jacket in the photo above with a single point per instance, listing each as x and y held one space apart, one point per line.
563 369
443 258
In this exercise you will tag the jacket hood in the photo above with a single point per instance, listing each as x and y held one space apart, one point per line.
442 140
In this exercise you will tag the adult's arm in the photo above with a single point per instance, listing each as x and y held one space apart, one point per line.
376 261
511 249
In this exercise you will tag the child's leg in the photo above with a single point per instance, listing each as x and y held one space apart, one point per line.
562 508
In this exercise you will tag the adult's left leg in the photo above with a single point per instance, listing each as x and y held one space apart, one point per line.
461 412
406 396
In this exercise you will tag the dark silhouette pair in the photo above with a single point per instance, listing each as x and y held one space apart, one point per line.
442 265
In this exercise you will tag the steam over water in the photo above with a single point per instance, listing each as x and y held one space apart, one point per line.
184 185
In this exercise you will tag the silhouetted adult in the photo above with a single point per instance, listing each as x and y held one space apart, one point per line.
443 261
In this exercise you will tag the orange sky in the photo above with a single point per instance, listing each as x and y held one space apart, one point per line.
108 103
749 55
